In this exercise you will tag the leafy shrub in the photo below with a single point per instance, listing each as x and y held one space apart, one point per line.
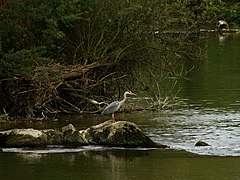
67 52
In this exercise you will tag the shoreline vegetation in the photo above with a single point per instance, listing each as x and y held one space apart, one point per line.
72 56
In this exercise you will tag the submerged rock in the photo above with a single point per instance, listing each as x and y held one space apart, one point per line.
23 138
201 143
118 134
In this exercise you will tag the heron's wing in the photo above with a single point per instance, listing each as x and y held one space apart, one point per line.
111 108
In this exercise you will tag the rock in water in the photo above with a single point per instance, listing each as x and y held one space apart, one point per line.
72 137
118 134
54 137
201 143
69 127
109 133
24 138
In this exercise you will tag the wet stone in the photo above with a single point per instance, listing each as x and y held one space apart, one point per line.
118 134
25 138
109 133
54 137
201 143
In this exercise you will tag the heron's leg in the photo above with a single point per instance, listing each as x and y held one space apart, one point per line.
113 116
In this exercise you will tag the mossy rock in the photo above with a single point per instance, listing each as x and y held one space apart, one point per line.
26 138
25 141
119 134
109 133
73 138
54 137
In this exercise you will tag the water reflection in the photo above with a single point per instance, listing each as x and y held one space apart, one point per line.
32 159
88 164
117 164
212 96
216 81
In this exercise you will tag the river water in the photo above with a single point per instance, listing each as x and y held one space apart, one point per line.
210 113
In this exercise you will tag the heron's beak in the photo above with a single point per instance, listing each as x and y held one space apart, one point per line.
133 94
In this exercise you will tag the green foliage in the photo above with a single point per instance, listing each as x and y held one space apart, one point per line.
69 49
66 49
21 63
233 12
31 23
204 13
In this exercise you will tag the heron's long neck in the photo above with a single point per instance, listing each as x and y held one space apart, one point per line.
124 99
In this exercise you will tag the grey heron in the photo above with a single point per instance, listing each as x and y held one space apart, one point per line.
114 106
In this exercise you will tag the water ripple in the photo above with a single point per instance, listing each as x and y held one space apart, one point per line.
182 129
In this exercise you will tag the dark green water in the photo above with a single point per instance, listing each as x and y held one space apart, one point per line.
211 113
216 83
117 165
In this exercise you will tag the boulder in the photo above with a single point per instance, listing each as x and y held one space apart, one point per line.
118 134
109 133
54 137
72 137
23 138
69 127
